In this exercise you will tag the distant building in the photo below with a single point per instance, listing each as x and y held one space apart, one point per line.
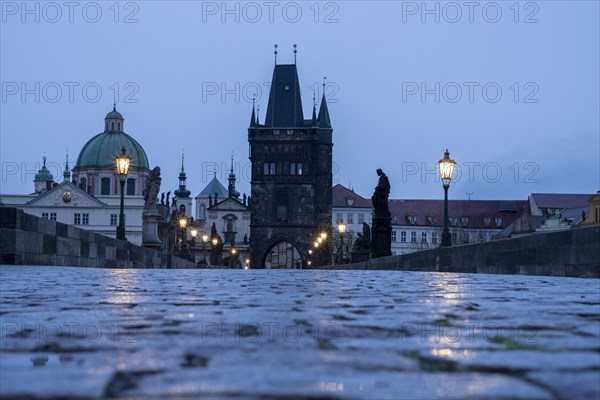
418 224
593 216
90 199
291 175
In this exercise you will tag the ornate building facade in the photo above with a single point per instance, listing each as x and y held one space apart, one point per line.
291 179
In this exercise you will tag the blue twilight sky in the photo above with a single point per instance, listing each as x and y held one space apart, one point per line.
510 88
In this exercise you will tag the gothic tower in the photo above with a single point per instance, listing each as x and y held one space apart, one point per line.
291 175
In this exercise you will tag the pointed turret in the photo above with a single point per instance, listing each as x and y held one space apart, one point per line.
253 117
231 190
324 121
314 113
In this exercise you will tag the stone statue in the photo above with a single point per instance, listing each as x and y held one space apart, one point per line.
210 200
367 233
162 198
244 199
151 190
167 201
381 194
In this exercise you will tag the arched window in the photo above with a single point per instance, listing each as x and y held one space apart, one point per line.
105 186
106 126
119 126
202 213
83 184
130 187
112 126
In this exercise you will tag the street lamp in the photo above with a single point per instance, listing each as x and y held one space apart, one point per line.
194 233
342 230
323 235
247 266
204 241
123 161
446 168
182 225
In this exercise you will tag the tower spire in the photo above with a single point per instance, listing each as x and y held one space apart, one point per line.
182 192
314 113
253 116
257 114
275 52
231 190
67 172
324 121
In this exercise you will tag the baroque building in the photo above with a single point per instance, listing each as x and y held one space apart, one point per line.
90 197
291 175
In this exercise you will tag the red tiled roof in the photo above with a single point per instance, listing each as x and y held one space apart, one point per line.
561 200
431 212
341 194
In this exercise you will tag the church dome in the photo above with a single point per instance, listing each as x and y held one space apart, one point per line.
114 114
44 174
101 150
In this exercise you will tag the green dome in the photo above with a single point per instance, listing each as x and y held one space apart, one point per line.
43 174
114 114
101 150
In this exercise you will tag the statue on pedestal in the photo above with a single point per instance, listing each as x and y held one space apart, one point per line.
381 194
150 215
381 229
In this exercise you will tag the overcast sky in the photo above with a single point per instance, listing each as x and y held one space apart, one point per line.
511 89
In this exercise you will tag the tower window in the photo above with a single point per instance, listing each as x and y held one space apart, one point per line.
299 168
105 186
83 184
130 187
292 168
119 126
202 211
112 126
269 168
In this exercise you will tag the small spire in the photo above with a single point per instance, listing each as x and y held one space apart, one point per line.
44 161
253 116
115 105
67 172
257 114
232 161
295 52
275 52
182 157
314 113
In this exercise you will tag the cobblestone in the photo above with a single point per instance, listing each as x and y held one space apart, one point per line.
261 334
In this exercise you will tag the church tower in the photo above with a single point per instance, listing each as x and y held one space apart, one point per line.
291 179
183 194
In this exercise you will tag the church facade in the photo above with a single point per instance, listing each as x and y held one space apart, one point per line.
291 176
90 197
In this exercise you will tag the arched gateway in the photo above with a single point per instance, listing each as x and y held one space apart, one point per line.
283 255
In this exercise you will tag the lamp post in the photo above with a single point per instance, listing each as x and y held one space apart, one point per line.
342 230
182 225
213 257
194 233
232 257
446 168
204 241
123 161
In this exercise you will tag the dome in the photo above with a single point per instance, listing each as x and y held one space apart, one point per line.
43 174
114 114
101 150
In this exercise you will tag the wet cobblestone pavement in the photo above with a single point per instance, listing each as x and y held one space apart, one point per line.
276 334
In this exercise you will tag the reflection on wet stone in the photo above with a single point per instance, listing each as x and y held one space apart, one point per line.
271 334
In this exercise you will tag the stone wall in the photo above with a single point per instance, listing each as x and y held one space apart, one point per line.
29 240
574 253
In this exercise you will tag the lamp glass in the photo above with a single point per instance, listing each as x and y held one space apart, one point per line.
205 238
183 222
342 228
194 233
446 165
123 161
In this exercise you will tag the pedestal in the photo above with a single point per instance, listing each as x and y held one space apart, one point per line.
360 256
150 231
381 235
